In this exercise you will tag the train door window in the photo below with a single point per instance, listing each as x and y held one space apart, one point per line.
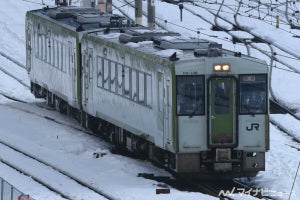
113 77
148 90
69 56
106 76
190 95
133 85
99 72
160 90
253 94
120 79
141 88
91 66
222 92
126 82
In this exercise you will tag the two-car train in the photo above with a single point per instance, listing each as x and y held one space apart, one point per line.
184 102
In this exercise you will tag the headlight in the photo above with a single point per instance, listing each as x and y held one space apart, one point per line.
221 67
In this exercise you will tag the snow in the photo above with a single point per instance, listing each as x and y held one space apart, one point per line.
72 150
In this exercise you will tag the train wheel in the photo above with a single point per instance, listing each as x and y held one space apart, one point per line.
50 99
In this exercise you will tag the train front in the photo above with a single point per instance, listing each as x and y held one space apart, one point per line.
222 120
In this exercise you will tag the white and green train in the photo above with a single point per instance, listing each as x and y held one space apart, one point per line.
186 103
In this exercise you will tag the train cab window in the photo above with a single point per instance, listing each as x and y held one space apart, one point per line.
253 94
190 95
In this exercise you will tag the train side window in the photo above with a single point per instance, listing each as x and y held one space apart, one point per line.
57 60
133 85
62 53
127 82
190 95
58 55
148 90
141 88
45 49
40 47
113 77
253 94
48 46
53 52
99 72
44 56
120 79
106 76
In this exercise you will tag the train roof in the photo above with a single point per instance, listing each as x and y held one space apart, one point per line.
123 31
165 44
81 19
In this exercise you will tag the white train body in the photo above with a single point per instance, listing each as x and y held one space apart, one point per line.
200 111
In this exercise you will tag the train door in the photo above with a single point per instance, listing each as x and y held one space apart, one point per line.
161 103
222 112
164 107
167 128
72 69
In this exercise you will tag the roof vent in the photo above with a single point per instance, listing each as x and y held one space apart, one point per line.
214 50
174 42
92 18
58 14
200 52
140 34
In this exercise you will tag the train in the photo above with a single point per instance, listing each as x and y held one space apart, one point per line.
190 105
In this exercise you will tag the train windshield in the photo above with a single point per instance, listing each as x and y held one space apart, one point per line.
253 94
190 95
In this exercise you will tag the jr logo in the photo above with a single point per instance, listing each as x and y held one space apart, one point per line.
253 126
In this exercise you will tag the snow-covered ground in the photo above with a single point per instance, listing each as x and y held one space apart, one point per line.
72 150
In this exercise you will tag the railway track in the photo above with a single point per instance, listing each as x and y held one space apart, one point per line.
5 71
53 178
222 189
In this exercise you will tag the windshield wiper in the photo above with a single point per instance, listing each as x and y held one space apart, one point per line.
249 111
194 111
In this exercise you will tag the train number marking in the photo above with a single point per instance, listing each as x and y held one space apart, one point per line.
253 126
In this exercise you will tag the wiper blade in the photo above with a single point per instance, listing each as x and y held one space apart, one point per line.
194 111
249 111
